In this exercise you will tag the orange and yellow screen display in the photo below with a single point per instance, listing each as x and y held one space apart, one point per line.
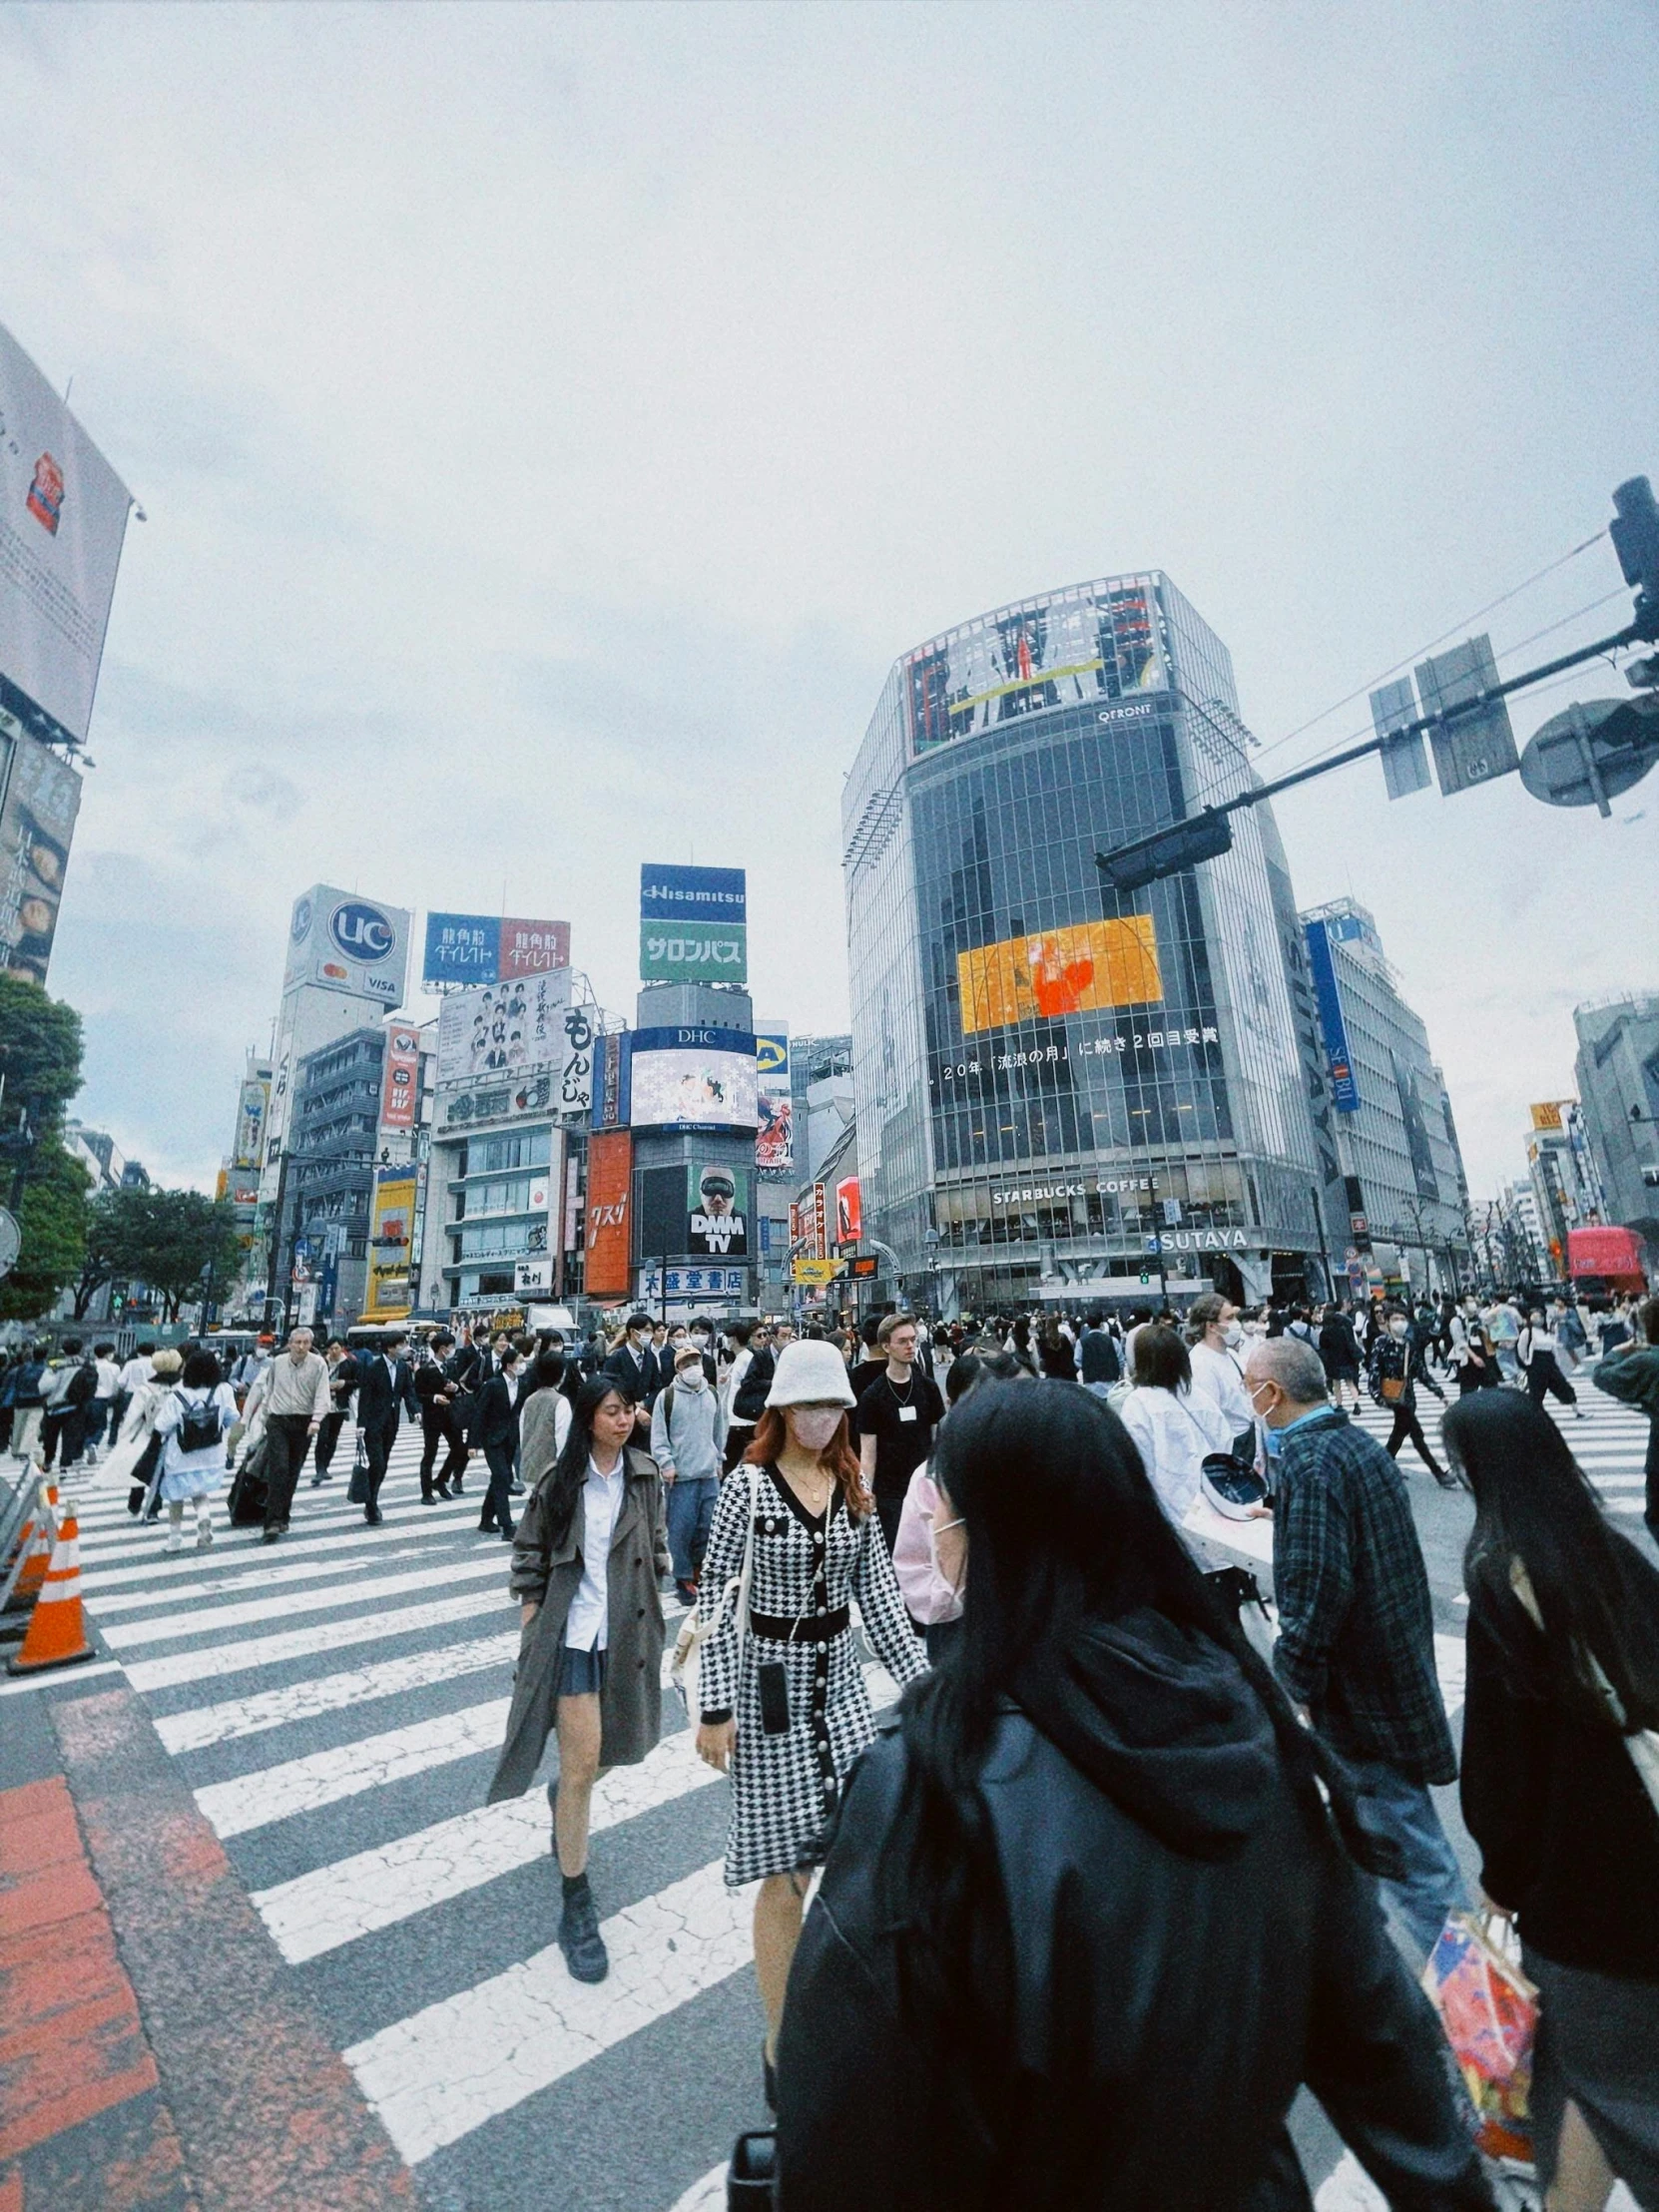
1074 970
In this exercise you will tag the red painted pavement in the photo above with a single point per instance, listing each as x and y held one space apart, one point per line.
156 2052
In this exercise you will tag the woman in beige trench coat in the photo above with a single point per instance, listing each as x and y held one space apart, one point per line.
592 1542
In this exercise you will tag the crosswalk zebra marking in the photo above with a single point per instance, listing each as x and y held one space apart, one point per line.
215 1619
306 1570
350 1898
444 2072
321 1778
304 1643
205 1725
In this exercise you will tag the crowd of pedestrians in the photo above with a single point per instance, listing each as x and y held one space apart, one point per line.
1091 1764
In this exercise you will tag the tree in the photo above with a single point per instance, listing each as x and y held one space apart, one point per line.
40 1061
53 1221
168 1239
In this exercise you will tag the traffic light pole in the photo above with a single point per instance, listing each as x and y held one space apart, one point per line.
1120 867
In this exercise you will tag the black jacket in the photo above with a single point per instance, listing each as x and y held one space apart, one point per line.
642 1379
1187 1945
1569 1839
429 1381
750 1402
379 1393
495 1421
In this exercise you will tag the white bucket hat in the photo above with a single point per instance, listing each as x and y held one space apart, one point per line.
810 1374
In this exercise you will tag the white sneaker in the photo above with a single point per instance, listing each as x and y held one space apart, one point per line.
174 1543
204 1536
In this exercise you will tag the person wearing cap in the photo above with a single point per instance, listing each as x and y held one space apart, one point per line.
783 1705
687 1439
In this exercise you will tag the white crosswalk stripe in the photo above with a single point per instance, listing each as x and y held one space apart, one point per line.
336 1704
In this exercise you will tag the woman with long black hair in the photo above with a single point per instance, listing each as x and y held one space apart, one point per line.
1089 1921
1560 1785
591 1543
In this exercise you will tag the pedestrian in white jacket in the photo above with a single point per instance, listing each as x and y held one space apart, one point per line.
1174 1426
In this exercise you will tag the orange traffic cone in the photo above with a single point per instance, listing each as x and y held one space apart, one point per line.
57 1632
35 1543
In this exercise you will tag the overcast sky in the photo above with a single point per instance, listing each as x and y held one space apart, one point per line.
552 423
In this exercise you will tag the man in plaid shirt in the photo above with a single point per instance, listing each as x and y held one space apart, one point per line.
1355 1647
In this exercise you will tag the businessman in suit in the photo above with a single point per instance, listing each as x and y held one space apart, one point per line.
496 1428
385 1388
632 1368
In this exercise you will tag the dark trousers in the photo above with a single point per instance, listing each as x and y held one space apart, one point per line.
1545 1380
1472 1377
498 1507
890 1505
439 1427
63 1435
285 1440
737 1440
327 1435
1407 1428
377 1442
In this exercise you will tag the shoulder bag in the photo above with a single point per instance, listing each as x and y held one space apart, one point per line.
685 1668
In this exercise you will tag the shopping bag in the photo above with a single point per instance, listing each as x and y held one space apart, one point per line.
1489 2011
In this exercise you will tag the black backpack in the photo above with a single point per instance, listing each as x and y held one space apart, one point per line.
198 1429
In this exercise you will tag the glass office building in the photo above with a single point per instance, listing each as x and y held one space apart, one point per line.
1051 1075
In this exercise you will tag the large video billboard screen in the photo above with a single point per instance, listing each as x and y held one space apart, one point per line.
1096 643
692 1078
1076 969
63 514
491 948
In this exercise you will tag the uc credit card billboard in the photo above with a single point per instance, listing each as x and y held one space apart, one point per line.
341 942
694 924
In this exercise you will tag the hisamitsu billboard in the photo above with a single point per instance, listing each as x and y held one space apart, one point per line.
694 924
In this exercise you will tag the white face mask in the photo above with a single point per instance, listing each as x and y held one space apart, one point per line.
690 1378
1232 1334
812 1426
1397 1328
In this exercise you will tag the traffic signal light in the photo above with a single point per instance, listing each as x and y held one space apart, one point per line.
1205 837
1634 531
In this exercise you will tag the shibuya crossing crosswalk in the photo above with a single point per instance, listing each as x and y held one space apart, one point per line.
336 1706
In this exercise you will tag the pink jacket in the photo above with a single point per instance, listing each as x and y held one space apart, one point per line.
930 1596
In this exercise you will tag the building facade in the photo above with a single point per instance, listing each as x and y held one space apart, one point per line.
1618 1092
1403 1170
1061 1089
327 1179
1567 1187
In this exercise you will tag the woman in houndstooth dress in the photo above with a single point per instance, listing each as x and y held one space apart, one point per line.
788 1718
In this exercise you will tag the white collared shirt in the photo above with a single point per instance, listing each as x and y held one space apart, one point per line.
587 1626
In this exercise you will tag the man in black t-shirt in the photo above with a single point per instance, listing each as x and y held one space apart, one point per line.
896 1421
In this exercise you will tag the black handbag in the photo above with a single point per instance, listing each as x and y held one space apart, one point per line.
752 2178
356 1490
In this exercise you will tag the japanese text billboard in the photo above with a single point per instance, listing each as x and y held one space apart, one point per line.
63 516
503 1029
247 1149
574 1102
491 948
1076 969
402 1075
610 1172
392 1234
693 924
